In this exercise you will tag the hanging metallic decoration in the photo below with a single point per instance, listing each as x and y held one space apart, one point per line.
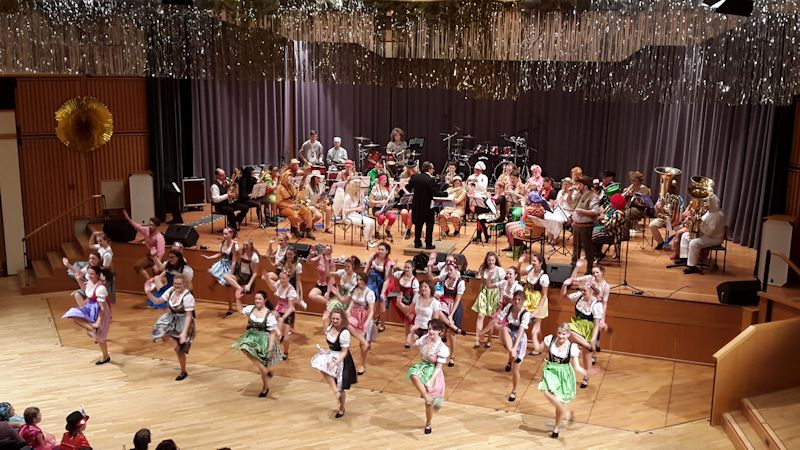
84 124
632 50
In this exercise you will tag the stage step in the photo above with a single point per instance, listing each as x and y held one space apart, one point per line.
42 269
774 416
73 251
740 432
54 258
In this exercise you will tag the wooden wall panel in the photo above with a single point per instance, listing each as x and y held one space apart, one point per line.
37 102
54 179
126 98
793 193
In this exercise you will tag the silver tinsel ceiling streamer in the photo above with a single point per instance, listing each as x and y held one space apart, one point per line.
636 50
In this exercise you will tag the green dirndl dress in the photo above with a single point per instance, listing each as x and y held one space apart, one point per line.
558 377
257 341
488 298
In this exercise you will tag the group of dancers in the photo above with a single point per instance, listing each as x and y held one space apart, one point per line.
513 300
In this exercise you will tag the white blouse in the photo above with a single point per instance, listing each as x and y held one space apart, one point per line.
344 337
425 313
365 298
522 320
250 312
561 352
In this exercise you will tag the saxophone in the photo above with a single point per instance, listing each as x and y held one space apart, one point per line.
233 186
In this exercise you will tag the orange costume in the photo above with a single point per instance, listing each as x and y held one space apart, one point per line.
288 204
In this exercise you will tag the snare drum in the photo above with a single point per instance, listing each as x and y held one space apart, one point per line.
322 169
507 151
333 174
390 160
494 150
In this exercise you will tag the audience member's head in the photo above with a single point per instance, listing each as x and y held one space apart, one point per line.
76 422
141 440
6 411
167 444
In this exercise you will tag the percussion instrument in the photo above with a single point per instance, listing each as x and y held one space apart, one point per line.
322 169
494 150
507 151
390 159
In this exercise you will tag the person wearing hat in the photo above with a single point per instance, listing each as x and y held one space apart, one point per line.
586 212
380 168
74 438
316 195
453 214
311 152
424 186
611 227
289 206
478 181
337 154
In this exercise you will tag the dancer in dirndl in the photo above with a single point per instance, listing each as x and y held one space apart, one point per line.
93 312
224 266
177 326
427 375
379 267
359 315
535 282
507 288
558 375
585 324
260 342
336 364
449 293
516 319
491 273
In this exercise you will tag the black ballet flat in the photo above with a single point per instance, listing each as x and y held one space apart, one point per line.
228 313
362 371
584 383
269 374
508 367
339 414
518 360
104 361
594 360
263 393
181 376
554 435
428 429
451 362
285 356
512 397
406 346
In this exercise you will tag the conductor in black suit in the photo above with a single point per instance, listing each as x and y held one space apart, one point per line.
425 188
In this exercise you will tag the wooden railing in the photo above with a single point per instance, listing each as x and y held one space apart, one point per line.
70 210
760 360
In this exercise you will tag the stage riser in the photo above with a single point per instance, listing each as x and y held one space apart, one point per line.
675 329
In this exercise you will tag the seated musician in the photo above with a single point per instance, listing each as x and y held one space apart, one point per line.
381 195
380 167
562 209
576 173
225 201
405 213
548 192
453 214
317 197
246 183
397 144
521 229
485 220
477 184
354 211
638 208
271 178
609 176
611 226
449 173
311 152
668 210
536 180
516 194
342 177
712 233
505 177
289 206
337 154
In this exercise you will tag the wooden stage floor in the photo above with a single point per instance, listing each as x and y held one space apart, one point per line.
646 266
217 404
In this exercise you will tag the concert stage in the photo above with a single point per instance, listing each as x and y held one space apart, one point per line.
677 316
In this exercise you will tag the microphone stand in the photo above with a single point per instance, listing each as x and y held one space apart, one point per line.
624 284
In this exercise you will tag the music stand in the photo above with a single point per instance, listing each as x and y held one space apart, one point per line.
259 190
484 203
564 250
624 284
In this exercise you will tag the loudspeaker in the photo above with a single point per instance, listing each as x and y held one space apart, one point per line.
742 293
558 273
119 230
302 250
184 234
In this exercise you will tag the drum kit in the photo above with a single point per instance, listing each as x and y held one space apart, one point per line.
372 153
465 152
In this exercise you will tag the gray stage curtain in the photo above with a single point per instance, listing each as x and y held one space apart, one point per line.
236 123
731 145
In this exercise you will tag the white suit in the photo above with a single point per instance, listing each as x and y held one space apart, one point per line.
712 232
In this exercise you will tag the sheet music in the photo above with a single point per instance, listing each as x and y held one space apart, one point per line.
259 190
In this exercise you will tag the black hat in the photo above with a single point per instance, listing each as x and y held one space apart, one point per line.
75 419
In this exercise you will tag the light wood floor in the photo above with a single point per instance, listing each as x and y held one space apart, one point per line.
646 268
51 366
780 410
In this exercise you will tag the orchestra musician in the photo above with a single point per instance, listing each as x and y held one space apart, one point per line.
668 211
477 183
289 206
246 183
535 181
271 177
449 173
712 232
516 194
397 144
586 212
311 152
379 197
354 210
637 209
611 226
380 167
344 176
548 192
505 177
563 207
453 214
337 154
316 196
225 201
501 206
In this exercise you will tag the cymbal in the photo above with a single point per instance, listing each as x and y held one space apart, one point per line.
371 146
391 163
361 138
468 137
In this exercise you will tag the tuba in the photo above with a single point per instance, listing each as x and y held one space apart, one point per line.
666 176
700 189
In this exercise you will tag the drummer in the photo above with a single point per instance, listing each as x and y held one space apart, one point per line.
337 154
397 145
311 151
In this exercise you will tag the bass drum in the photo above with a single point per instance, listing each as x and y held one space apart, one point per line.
464 170
499 170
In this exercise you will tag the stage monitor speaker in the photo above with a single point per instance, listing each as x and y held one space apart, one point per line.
184 234
558 273
742 293
119 230
302 250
